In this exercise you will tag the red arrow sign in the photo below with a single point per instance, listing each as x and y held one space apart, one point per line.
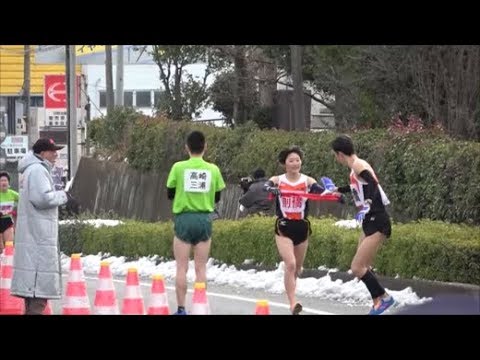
55 93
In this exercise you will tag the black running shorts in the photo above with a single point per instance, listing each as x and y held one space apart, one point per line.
296 230
377 222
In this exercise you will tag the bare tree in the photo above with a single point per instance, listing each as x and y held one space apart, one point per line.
245 68
448 81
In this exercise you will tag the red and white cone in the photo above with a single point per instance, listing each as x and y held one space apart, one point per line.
48 309
76 297
9 305
105 297
133 300
262 308
200 304
158 304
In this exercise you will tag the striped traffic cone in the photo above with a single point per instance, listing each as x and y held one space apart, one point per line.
200 304
9 305
76 298
262 308
105 297
158 304
48 309
133 300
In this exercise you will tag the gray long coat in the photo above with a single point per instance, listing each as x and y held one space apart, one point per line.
36 261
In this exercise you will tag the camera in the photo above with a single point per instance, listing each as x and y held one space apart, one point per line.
245 183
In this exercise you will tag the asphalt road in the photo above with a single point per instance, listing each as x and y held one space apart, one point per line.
227 300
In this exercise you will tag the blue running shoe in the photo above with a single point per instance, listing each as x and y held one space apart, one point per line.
383 305
180 312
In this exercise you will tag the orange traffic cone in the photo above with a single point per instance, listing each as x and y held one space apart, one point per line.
200 304
9 305
133 300
262 308
158 299
105 297
48 309
76 298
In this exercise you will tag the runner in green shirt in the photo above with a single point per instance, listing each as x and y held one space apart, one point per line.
8 210
194 185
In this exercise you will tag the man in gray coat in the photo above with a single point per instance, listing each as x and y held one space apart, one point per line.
36 262
255 199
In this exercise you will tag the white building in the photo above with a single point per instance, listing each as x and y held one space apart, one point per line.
141 79
141 86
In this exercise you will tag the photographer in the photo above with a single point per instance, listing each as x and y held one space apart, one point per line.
254 198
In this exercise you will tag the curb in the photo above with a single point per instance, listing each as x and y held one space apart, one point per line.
423 288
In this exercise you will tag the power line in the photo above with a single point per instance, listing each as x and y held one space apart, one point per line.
91 101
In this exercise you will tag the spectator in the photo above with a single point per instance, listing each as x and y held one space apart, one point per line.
8 210
36 263
255 199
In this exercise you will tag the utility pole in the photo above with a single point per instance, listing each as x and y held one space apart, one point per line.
87 121
298 100
87 124
71 77
119 80
3 134
32 129
109 78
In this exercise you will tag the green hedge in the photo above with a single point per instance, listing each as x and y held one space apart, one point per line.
426 249
426 175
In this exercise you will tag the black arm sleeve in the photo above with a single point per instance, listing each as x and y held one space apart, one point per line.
217 196
344 189
372 186
316 189
171 193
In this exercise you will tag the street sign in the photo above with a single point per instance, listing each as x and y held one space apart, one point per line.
56 118
55 92
55 95
16 147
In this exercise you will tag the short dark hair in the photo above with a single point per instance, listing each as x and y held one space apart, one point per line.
344 144
196 142
258 173
4 174
282 157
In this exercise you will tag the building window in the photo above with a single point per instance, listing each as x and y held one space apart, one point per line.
36 101
103 99
141 98
128 99
144 99
156 98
